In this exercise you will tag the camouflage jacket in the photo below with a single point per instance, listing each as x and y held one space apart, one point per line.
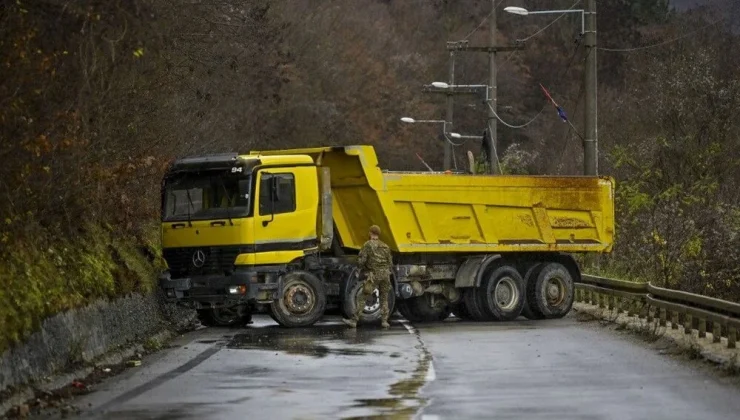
375 258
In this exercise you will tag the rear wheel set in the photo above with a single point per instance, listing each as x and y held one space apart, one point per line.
546 291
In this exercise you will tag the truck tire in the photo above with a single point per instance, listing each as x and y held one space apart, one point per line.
224 317
272 315
372 312
461 311
352 273
302 301
502 294
405 310
471 300
421 309
552 291
530 311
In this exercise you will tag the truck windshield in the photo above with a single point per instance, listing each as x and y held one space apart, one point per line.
204 196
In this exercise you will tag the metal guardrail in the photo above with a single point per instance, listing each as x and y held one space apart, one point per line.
665 306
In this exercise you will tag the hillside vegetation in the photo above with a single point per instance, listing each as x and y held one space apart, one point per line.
97 97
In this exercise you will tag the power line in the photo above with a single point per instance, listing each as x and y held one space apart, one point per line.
570 63
659 44
567 137
508 58
453 143
549 24
485 19
514 126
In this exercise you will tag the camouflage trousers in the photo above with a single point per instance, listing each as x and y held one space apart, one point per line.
383 284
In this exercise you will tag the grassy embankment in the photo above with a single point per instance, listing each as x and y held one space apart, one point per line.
41 278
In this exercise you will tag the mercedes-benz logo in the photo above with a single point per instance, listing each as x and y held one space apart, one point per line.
199 258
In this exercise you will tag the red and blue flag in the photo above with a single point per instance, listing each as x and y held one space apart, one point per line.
561 112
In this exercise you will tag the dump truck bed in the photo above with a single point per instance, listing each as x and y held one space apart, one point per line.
423 212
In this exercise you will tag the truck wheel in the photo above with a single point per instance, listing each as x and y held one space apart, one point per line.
350 279
372 312
502 294
471 300
272 315
424 308
220 317
405 311
461 311
302 301
530 311
552 291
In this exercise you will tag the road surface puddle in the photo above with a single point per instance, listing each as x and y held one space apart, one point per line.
404 401
317 341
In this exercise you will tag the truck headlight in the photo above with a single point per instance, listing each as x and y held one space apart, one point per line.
238 290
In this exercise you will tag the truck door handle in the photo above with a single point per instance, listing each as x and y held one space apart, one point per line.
218 223
178 225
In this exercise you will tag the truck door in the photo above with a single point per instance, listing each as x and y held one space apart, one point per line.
285 214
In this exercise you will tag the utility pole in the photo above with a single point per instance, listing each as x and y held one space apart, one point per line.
492 97
450 110
590 142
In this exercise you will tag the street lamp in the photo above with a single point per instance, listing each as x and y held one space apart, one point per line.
524 12
409 120
443 85
588 31
460 136
444 123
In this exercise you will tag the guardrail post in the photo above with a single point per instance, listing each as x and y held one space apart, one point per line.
644 311
631 307
688 324
579 295
702 328
716 332
662 317
649 312
600 298
674 320
731 337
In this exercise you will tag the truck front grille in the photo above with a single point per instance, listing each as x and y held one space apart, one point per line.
201 260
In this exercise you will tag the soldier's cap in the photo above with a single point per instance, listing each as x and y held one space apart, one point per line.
375 230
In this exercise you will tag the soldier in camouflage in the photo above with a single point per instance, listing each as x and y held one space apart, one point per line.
375 263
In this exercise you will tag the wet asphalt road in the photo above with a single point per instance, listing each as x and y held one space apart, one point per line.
558 369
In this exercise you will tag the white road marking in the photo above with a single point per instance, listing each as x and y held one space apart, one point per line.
431 373
408 326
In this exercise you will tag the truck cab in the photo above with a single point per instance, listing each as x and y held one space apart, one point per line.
230 226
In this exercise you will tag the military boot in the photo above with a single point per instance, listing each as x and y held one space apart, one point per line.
350 322
385 324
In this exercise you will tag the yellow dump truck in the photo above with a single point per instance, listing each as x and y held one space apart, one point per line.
279 231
